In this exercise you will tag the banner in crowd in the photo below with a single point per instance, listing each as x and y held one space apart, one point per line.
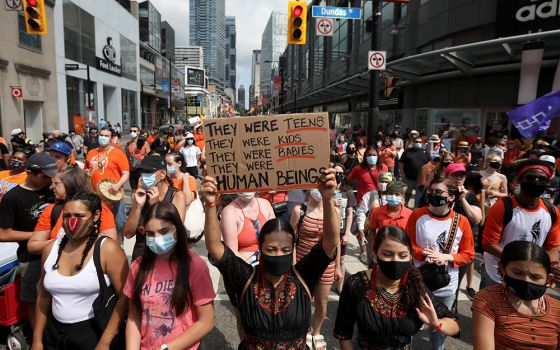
536 116
267 153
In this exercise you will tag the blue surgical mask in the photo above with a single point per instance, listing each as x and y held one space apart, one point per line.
393 200
418 145
161 244
190 142
171 170
371 160
103 140
148 180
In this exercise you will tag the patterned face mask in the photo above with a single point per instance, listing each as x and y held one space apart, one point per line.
77 228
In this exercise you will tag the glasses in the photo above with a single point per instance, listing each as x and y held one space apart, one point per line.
437 192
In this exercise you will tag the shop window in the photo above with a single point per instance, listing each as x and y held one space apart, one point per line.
128 108
340 40
421 121
128 58
79 34
27 40
457 122
496 124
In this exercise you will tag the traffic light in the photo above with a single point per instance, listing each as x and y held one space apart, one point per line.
35 16
297 22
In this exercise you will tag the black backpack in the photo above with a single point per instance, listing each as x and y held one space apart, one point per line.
508 211
55 213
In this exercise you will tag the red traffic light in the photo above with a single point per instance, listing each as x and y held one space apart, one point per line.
297 11
32 2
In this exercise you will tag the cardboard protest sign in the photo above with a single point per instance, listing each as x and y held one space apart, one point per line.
267 153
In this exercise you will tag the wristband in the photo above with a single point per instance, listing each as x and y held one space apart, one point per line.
212 205
114 333
439 327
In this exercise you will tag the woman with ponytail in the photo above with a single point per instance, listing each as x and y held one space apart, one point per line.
274 298
155 187
389 302
69 283
177 172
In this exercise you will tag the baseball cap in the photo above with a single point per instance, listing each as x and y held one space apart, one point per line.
44 162
152 163
455 168
190 135
549 159
386 176
16 132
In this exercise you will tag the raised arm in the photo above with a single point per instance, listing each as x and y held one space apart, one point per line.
331 221
212 232
138 201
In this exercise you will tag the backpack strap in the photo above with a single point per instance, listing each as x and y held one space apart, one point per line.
169 195
55 213
508 211
551 210
97 261
247 284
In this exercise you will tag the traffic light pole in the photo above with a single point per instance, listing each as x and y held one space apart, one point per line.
373 111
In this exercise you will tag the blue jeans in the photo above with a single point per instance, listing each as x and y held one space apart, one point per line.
119 211
437 340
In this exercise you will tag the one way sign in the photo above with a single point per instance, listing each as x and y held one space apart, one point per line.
324 26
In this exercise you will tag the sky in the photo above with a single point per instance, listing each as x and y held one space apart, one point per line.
251 18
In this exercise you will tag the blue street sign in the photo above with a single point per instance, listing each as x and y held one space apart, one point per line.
337 12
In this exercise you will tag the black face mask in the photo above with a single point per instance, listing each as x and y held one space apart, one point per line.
340 178
533 189
351 151
446 164
393 270
495 165
276 265
523 289
435 200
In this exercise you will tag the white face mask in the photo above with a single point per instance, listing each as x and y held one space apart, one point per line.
315 195
133 135
383 186
246 196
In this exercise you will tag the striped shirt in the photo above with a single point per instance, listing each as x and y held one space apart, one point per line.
309 234
514 330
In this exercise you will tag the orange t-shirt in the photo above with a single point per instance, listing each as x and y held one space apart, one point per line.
193 185
44 222
151 138
106 164
199 140
8 181
386 157
381 217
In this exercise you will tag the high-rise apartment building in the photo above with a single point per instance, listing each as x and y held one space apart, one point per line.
167 41
254 89
241 97
231 55
207 28
149 20
274 41
189 56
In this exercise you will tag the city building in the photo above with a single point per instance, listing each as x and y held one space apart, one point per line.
231 56
207 28
28 87
254 89
161 82
189 56
241 98
457 66
97 63
273 44
167 41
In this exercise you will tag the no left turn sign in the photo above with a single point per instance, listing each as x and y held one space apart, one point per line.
324 26
377 60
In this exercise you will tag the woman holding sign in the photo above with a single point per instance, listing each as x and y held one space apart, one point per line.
273 298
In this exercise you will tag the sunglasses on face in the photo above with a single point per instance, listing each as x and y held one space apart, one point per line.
437 192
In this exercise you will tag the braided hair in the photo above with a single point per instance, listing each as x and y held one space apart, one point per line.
93 203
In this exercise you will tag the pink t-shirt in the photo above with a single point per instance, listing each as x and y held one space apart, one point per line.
159 324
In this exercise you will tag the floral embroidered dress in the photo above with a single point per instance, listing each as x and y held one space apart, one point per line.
273 318
382 323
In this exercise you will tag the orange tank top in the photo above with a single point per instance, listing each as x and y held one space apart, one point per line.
247 240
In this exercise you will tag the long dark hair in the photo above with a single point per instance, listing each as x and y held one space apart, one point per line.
75 180
525 251
93 203
181 295
274 225
413 288
344 186
364 161
178 157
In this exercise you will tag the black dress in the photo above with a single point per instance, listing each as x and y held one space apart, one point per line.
273 318
381 324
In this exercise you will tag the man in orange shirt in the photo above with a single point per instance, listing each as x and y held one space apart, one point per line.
425 176
394 213
16 175
109 162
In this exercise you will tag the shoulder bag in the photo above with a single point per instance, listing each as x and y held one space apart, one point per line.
436 276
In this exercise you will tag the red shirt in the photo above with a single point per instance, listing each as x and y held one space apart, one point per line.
381 217
367 179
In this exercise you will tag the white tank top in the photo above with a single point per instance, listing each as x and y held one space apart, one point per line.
72 296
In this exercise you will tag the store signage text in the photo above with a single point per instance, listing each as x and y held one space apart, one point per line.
108 66
534 11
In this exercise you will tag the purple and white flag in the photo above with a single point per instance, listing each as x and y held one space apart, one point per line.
536 116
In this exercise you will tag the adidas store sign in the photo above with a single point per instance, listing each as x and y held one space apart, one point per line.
539 10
